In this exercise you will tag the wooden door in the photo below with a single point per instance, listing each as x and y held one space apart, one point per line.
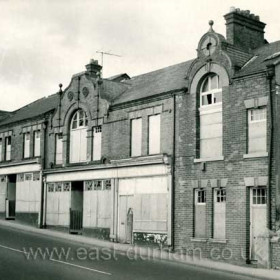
259 233
125 208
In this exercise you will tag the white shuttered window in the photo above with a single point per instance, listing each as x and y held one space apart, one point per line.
97 138
211 123
78 137
26 152
8 141
37 138
58 149
136 137
154 134
220 213
257 128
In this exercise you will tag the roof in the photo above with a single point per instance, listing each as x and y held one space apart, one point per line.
258 64
4 114
36 108
156 82
119 78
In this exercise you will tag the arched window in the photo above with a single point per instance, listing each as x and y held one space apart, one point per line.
78 137
211 124
211 92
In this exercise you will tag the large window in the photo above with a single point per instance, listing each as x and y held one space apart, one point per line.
211 125
36 144
8 141
58 149
220 213
26 145
200 213
97 138
78 137
154 134
257 129
136 137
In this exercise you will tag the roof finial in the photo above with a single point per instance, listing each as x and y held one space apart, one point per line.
211 22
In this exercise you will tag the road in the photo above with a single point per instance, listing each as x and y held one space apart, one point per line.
25 255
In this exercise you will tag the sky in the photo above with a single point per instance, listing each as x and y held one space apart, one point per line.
43 43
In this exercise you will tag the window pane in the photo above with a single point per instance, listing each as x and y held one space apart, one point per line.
207 99
214 82
218 97
154 134
205 86
136 137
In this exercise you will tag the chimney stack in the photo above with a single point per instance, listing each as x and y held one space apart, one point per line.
93 68
244 30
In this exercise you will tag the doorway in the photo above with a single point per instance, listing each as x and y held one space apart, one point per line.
125 218
259 241
11 197
76 210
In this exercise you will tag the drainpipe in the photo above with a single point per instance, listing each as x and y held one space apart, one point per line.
42 223
270 73
173 175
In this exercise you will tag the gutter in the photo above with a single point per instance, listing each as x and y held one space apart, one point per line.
173 175
270 74
42 222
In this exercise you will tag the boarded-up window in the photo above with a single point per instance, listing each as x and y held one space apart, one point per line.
58 148
136 137
211 124
257 127
154 134
37 138
220 213
97 139
8 141
200 213
78 137
26 149
1 148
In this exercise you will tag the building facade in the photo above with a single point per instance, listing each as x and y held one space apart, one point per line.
186 156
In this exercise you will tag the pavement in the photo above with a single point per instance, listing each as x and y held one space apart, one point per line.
89 256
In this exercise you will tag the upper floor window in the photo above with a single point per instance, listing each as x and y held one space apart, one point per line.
26 145
8 143
97 139
211 125
58 149
136 137
36 144
210 91
78 137
257 130
154 134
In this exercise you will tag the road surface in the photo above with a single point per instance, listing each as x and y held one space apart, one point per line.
28 256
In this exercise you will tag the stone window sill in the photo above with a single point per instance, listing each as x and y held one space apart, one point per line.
215 240
197 160
196 239
256 155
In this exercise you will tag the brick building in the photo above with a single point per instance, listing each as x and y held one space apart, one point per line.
186 156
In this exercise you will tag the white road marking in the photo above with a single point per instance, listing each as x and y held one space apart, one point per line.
12 249
83 267
66 263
